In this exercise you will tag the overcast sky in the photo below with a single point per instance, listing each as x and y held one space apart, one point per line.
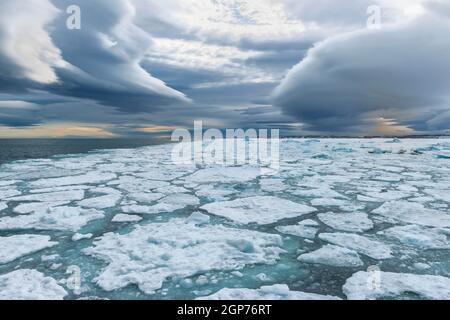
139 67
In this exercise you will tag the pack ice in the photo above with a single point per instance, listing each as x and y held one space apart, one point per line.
341 218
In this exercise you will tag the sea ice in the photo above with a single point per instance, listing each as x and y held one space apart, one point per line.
333 256
150 254
16 246
126 218
351 221
224 175
274 292
361 244
304 229
412 212
417 236
392 285
28 284
51 196
58 218
258 209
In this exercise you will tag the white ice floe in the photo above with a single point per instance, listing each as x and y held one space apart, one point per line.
213 192
258 209
322 192
329 202
101 202
126 218
412 212
58 218
333 256
16 246
27 284
274 292
81 236
361 244
3 206
150 254
304 229
51 196
145 197
351 221
418 236
373 285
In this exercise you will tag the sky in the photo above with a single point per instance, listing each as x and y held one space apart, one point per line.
136 68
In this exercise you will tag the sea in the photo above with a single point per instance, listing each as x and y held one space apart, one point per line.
22 149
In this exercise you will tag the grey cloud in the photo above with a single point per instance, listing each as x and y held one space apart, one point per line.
349 79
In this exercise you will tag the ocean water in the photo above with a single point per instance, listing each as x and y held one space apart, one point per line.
22 149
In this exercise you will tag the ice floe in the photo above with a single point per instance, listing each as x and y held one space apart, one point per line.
373 285
333 256
151 254
349 221
274 292
258 209
305 229
126 218
16 246
418 236
358 243
28 284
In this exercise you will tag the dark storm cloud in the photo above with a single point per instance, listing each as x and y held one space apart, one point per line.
347 80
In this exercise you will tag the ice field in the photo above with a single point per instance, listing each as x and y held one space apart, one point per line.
341 219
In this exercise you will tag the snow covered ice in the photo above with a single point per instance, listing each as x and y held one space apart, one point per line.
138 226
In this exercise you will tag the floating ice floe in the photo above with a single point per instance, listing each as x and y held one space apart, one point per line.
51 196
27 284
412 212
333 256
16 246
198 218
351 221
258 209
373 285
304 229
126 218
3 206
358 243
90 177
274 292
29 207
80 236
272 185
418 236
58 218
151 254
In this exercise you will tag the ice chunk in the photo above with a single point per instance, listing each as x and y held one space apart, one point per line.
126 218
328 202
198 218
3 206
412 212
80 236
258 209
333 256
351 222
8 192
417 236
274 292
101 202
145 196
318 193
150 254
213 192
305 229
58 218
392 285
28 284
16 246
361 244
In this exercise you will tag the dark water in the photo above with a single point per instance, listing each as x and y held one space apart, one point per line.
21 149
